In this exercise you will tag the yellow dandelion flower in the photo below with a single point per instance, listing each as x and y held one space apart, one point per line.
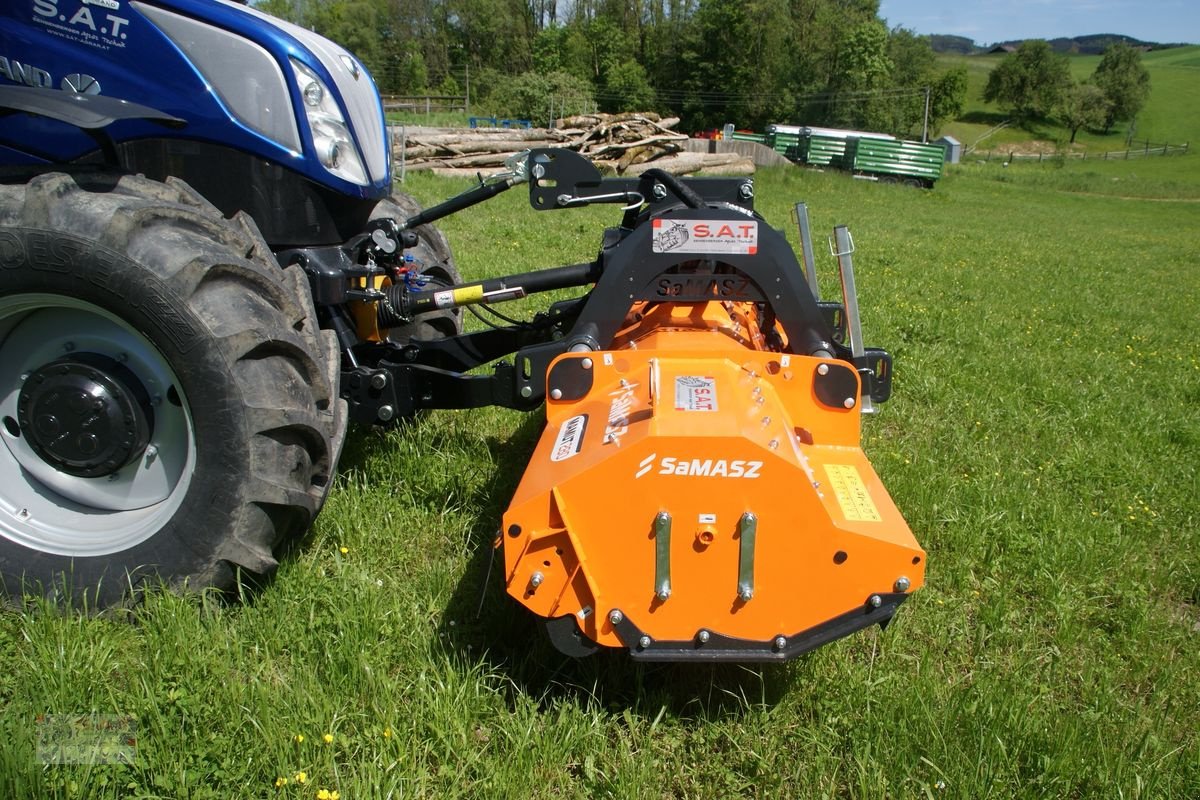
323 794
343 550
387 733
298 738
328 738
280 782
302 777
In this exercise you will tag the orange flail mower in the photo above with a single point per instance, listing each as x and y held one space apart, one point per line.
699 491
694 496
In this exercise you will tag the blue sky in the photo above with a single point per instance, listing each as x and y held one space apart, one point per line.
988 21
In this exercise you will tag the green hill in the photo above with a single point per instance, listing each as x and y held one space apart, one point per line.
1092 44
1172 113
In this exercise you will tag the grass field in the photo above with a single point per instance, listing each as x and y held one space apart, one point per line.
1043 442
1172 113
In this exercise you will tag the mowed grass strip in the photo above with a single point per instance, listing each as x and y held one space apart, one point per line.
1042 441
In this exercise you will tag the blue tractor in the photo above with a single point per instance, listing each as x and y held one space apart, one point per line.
197 229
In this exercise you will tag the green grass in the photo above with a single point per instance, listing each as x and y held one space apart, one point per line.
1042 441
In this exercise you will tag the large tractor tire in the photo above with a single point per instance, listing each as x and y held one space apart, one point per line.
433 259
169 410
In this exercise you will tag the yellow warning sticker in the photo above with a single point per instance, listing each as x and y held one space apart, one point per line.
468 294
851 493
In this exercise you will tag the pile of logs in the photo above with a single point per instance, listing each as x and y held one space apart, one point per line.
618 144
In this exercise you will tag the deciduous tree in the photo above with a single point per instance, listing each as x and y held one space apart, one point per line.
1083 105
1124 81
1030 81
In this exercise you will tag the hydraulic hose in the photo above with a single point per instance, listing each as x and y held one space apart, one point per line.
689 196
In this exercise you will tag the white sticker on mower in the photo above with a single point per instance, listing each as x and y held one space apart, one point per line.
700 467
570 438
704 236
695 393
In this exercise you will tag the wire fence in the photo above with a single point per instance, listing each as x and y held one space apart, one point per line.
1133 151
425 103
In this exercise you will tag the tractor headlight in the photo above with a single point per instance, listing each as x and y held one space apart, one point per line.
331 136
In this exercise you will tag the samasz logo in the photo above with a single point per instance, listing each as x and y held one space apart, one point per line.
700 467
618 413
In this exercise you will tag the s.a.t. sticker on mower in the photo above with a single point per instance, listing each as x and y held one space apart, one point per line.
705 236
695 393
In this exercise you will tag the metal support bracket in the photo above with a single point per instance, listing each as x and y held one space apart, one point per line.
800 214
844 248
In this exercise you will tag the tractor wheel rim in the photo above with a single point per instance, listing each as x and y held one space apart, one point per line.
46 504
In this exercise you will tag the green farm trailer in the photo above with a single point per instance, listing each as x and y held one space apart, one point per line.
912 163
869 155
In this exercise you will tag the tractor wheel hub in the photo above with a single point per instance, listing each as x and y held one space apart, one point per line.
86 414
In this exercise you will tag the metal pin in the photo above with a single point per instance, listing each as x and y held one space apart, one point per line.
773 444
822 369
703 636
586 363
386 413
536 579
644 642
616 617
556 394
902 584
849 402
780 642
875 601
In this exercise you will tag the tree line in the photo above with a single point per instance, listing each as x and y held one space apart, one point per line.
749 62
